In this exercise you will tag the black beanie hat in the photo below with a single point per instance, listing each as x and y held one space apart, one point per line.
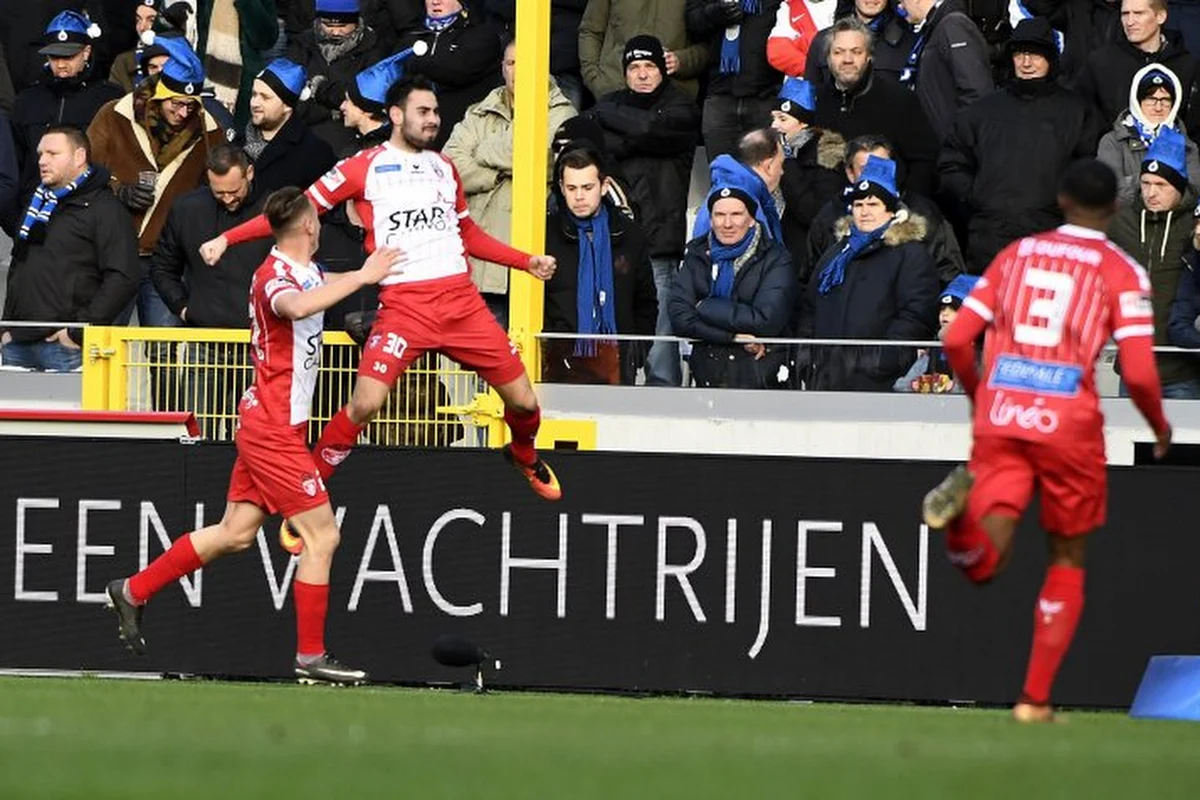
645 48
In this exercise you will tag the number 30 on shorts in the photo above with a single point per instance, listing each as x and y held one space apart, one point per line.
395 345
1049 310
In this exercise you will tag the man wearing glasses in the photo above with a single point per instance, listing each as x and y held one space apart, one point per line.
155 142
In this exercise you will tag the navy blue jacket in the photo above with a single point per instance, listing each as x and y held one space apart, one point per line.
1181 324
890 292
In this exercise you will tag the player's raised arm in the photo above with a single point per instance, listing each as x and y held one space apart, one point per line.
300 304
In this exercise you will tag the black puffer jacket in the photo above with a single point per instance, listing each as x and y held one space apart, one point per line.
889 292
653 139
1004 159
812 178
215 297
80 267
756 78
1104 80
73 101
321 112
464 62
954 70
761 304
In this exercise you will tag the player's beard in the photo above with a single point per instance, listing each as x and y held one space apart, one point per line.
418 137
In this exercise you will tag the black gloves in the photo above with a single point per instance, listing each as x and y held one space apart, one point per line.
726 12
135 197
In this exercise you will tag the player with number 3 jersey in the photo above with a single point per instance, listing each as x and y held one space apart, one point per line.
1046 306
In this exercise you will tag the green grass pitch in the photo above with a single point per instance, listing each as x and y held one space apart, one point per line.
90 738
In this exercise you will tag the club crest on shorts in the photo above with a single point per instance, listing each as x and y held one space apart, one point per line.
309 485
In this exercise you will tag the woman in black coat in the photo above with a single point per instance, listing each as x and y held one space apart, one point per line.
877 282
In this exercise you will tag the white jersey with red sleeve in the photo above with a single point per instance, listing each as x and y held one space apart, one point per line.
409 200
286 353
1050 302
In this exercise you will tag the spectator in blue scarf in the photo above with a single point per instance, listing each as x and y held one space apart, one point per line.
756 171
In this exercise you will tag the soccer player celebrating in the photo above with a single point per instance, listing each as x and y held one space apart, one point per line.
274 471
411 198
1047 303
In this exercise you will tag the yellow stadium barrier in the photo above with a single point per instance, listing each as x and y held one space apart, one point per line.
205 371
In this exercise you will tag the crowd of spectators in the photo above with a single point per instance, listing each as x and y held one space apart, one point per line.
867 159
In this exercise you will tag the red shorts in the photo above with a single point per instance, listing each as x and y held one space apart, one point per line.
447 316
275 471
1072 479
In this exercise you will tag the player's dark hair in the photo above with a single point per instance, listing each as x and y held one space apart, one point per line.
867 143
398 92
225 157
581 155
1090 184
757 146
285 208
75 136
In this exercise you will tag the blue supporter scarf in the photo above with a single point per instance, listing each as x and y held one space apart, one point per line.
835 271
595 300
731 50
1147 135
441 23
908 76
45 201
724 257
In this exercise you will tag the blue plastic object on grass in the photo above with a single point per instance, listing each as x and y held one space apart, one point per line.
1170 689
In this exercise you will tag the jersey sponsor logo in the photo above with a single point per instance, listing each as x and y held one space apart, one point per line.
381 168
1028 375
416 220
1135 304
312 350
333 179
1036 417
1063 250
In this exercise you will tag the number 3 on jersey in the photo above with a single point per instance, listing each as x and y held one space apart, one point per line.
1047 313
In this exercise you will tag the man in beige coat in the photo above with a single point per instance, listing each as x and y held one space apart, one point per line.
481 147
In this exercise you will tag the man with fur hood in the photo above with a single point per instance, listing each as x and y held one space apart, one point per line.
812 163
877 282
1155 97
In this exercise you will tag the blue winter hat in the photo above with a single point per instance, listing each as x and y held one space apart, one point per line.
1167 158
369 89
798 98
287 79
68 33
878 179
957 291
340 10
183 74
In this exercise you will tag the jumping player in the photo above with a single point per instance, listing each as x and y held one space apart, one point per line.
1048 303
274 471
411 198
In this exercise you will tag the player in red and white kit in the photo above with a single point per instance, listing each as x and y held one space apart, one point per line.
274 471
1047 303
410 197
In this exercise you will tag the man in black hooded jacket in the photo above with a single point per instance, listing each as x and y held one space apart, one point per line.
1004 158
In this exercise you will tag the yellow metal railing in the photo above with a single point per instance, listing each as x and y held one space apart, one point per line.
437 403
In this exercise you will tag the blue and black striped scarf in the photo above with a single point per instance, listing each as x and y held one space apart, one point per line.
731 51
45 201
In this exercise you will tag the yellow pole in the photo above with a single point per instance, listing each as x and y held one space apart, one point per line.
530 148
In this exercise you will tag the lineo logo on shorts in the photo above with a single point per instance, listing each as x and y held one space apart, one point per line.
309 485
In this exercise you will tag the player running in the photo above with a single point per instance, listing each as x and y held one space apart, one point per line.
1048 303
274 471
411 198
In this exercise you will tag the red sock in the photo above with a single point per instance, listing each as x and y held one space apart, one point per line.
524 429
971 549
335 443
1055 618
312 602
179 560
